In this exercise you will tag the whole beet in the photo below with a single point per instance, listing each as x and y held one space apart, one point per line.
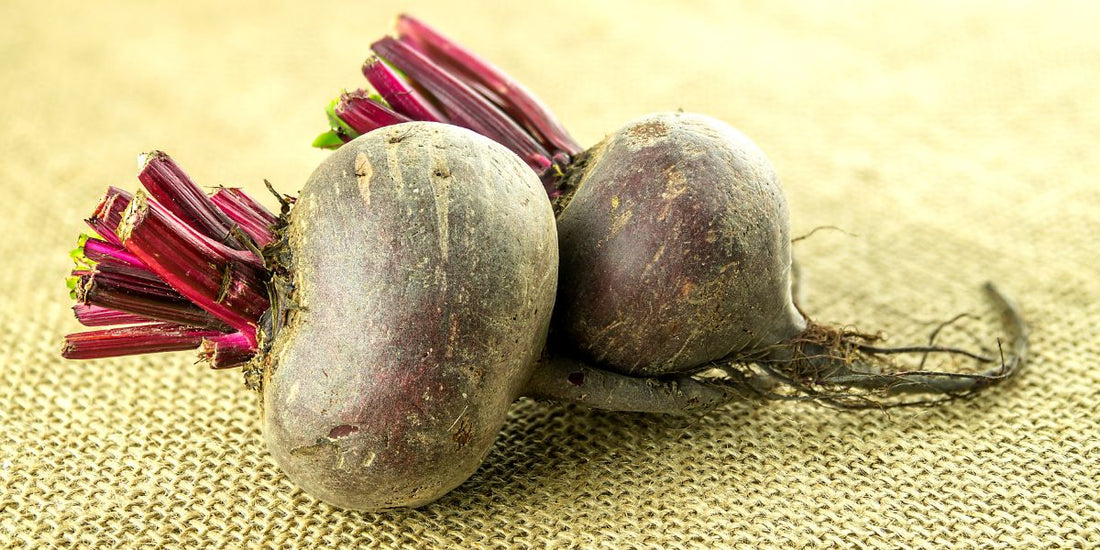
676 257
675 248
424 266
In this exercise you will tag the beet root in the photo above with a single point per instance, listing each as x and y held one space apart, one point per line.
675 248
676 258
424 268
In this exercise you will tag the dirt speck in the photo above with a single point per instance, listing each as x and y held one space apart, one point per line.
463 432
650 130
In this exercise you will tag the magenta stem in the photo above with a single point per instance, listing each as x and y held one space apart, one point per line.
227 350
516 99
363 114
174 190
179 266
151 338
100 251
230 290
96 316
108 214
438 80
403 98
132 292
463 106
251 216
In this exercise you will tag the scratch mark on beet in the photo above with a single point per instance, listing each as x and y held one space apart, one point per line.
342 430
363 173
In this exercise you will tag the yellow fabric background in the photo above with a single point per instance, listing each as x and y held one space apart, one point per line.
958 143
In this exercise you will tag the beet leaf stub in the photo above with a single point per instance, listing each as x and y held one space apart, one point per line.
171 268
422 75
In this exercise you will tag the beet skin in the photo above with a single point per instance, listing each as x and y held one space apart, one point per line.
675 248
425 263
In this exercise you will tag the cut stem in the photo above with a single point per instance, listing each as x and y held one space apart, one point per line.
439 81
173 189
463 106
134 292
506 92
251 216
402 97
95 250
182 270
96 316
206 275
227 350
108 214
363 114
151 338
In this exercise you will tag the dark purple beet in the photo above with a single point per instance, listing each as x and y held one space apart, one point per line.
424 267
675 248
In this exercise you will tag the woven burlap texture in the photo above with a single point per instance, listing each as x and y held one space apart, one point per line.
957 144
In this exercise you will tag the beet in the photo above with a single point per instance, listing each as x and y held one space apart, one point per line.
675 248
676 257
424 267
393 316
392 312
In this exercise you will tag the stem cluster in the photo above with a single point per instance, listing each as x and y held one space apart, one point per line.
171 268
422 75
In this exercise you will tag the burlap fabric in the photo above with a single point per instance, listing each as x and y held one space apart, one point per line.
958 144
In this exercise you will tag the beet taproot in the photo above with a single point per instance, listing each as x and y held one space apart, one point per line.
424 269
675 248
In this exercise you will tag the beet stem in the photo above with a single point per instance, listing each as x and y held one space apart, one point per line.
363 114
146 297
97 316
227 350
514 98
151 338
440 81
179 270
173 189
96 250
402 97
206 274
108 214
463 105
251 216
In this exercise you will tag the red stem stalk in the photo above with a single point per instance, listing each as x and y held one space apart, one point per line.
251 216
151 338
512 96
227 288
108 214
402 97
95 316
364 114
174 190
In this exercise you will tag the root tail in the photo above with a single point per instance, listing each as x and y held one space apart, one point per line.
842 368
